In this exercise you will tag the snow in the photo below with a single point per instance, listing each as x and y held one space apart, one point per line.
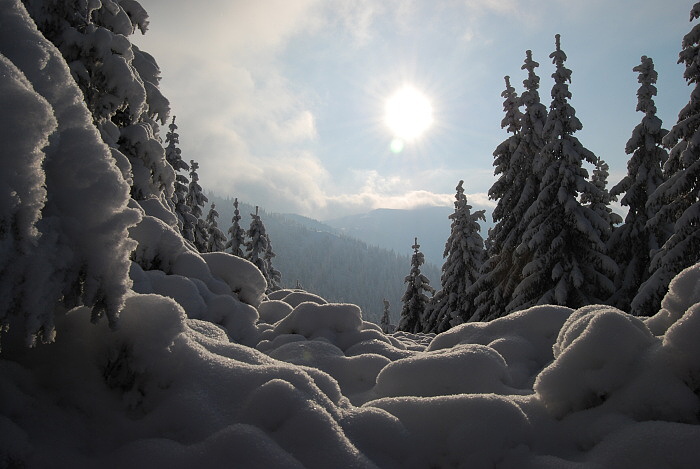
544 387
201 368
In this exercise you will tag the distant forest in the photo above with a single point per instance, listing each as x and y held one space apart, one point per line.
335 266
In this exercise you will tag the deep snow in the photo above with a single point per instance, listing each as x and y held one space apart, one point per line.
545 387
205 370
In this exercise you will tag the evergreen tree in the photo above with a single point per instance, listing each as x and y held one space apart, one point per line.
415 300
236 233
599 201
195 201
65 213
632 243
216 239
385 322
273 275
507 193
464 255
515 193
259 251
119 83
186 221
567 264
678 196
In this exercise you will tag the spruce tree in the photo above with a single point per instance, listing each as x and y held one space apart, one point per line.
567 264
119 83
464 255
185 220
195 201
273 275
236 233
385 322
216 239
678 197
415 299
599 201
259 251
632 243
507 193
502 272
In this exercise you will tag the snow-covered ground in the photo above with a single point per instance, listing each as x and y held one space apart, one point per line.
546 387
201 369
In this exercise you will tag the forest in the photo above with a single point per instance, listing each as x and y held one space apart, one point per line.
137 331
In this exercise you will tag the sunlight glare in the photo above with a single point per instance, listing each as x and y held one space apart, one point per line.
408 113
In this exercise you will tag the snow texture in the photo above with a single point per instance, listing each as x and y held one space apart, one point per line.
205 370
82 253
544 387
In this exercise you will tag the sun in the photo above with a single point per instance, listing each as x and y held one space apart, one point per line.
408 113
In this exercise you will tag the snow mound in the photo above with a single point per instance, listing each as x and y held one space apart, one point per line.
524 339
242 276
460 431
272 311
339 324
480 370
295 298
683 292
597 352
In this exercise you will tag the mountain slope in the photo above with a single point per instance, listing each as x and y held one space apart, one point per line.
331 264
396 229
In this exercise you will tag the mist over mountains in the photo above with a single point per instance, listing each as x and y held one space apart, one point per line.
333 264
396 229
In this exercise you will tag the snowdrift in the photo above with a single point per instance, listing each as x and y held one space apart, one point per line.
545 387
195 366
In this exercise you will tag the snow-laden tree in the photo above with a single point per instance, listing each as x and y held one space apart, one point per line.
507 193
385 321
464 255
415 300
273 275
216 239
259 251
195 201
64 218
502 271
119 83
632 243
185 220
567 263
599 201
236 233
678 197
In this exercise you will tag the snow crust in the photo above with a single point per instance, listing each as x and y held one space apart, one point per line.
545 387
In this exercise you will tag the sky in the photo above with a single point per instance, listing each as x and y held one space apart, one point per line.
282 103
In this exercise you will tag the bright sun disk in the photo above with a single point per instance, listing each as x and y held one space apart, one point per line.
408 113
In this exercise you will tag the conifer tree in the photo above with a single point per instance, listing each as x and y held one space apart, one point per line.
195 201
678 197
502 272
64 207
415 300
259 251
507 193
173 154
599 201
216 239
385 322
273 275
236 233
464 255
119 83
567 264
632 243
